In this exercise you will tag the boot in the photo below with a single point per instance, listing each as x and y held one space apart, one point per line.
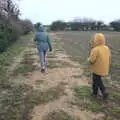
105 96
42 70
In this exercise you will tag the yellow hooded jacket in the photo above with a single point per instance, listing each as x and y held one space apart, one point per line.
100 56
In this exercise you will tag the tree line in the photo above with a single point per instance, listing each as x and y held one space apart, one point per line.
11 26
85 24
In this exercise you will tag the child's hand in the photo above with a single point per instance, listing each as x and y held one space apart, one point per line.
50 49
90 82
88 61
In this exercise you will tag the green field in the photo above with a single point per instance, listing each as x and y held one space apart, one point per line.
20 61
76 45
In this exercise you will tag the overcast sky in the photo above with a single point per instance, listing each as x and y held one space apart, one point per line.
46 11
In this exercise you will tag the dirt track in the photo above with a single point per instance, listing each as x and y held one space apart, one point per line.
60 75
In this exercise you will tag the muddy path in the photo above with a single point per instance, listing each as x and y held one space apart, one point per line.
61 71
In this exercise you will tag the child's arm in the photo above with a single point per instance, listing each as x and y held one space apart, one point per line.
93 56
109 57
35 38
49 43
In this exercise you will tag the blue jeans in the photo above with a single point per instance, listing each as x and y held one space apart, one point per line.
43 59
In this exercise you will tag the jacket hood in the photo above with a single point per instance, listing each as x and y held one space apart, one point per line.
41 28
99 39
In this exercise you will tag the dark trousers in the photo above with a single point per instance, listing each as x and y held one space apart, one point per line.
97 84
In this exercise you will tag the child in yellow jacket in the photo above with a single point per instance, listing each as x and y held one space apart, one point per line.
99 60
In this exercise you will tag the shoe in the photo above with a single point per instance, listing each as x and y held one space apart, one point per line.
105 96
42 70
93 95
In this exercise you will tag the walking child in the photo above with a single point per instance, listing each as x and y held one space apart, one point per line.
99 60
43 44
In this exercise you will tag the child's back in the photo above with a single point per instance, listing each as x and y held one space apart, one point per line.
100 56
100 61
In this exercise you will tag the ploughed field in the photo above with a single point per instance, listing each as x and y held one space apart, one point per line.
77 46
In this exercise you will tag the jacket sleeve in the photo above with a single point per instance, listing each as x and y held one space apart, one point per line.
93 56
49 43
110 56
35 38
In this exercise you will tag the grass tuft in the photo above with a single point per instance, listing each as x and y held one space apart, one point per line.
85 101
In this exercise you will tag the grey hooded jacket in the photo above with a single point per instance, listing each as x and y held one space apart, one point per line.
42 39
